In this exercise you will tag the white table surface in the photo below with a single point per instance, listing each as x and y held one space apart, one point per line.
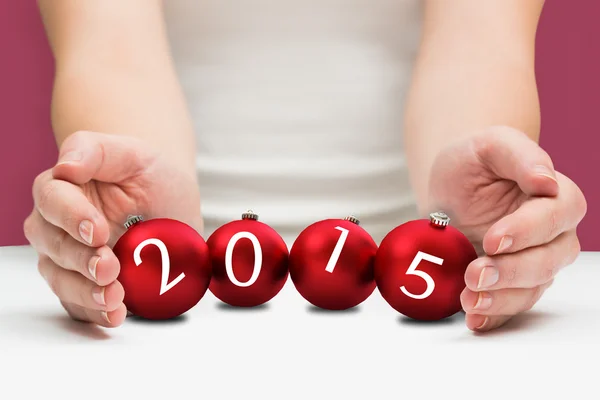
288 350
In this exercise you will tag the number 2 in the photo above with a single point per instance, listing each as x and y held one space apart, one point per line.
412 270
166 264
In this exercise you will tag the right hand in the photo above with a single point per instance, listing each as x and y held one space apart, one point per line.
80 206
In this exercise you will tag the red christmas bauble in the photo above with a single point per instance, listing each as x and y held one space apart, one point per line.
331 264
420 268
249 262
165 267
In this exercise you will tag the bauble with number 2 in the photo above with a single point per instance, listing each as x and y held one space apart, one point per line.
165 267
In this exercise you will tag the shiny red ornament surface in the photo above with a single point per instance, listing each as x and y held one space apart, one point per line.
165 268
249 262
331 264
420 268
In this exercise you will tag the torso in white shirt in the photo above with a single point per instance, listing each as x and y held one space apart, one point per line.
298 107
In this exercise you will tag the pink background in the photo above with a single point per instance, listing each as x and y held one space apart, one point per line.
568 61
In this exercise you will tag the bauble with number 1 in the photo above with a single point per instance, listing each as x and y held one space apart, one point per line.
331 264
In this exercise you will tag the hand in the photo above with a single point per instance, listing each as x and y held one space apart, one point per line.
501 190
80 207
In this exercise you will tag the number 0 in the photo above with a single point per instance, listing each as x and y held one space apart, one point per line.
412 270
229 258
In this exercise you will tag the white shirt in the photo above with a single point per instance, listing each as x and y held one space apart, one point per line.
298 108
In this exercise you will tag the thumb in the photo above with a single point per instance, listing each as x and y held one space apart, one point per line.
512 155
104 157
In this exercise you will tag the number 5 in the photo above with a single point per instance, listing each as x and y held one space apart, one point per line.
412 270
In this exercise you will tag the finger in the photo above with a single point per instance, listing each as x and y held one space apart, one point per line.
72 287
503 301
512 155
537 221
99 264
108 158
484 323
108 319
525 269
65 206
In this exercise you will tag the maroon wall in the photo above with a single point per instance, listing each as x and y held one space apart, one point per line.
568 70
27 145
568 60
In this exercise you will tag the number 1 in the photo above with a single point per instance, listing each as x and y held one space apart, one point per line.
337 250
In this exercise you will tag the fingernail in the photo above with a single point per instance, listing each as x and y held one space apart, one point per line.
544 171
483 324
105 316
505 243
86 230
71 157
488 277
93 263
98 295
484 301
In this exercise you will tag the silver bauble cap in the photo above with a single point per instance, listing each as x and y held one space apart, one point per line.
352 219
132 219
439 219
250 215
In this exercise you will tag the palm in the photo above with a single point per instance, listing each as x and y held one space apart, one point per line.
157 191
471 192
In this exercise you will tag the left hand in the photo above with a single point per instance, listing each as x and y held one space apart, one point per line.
501 190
